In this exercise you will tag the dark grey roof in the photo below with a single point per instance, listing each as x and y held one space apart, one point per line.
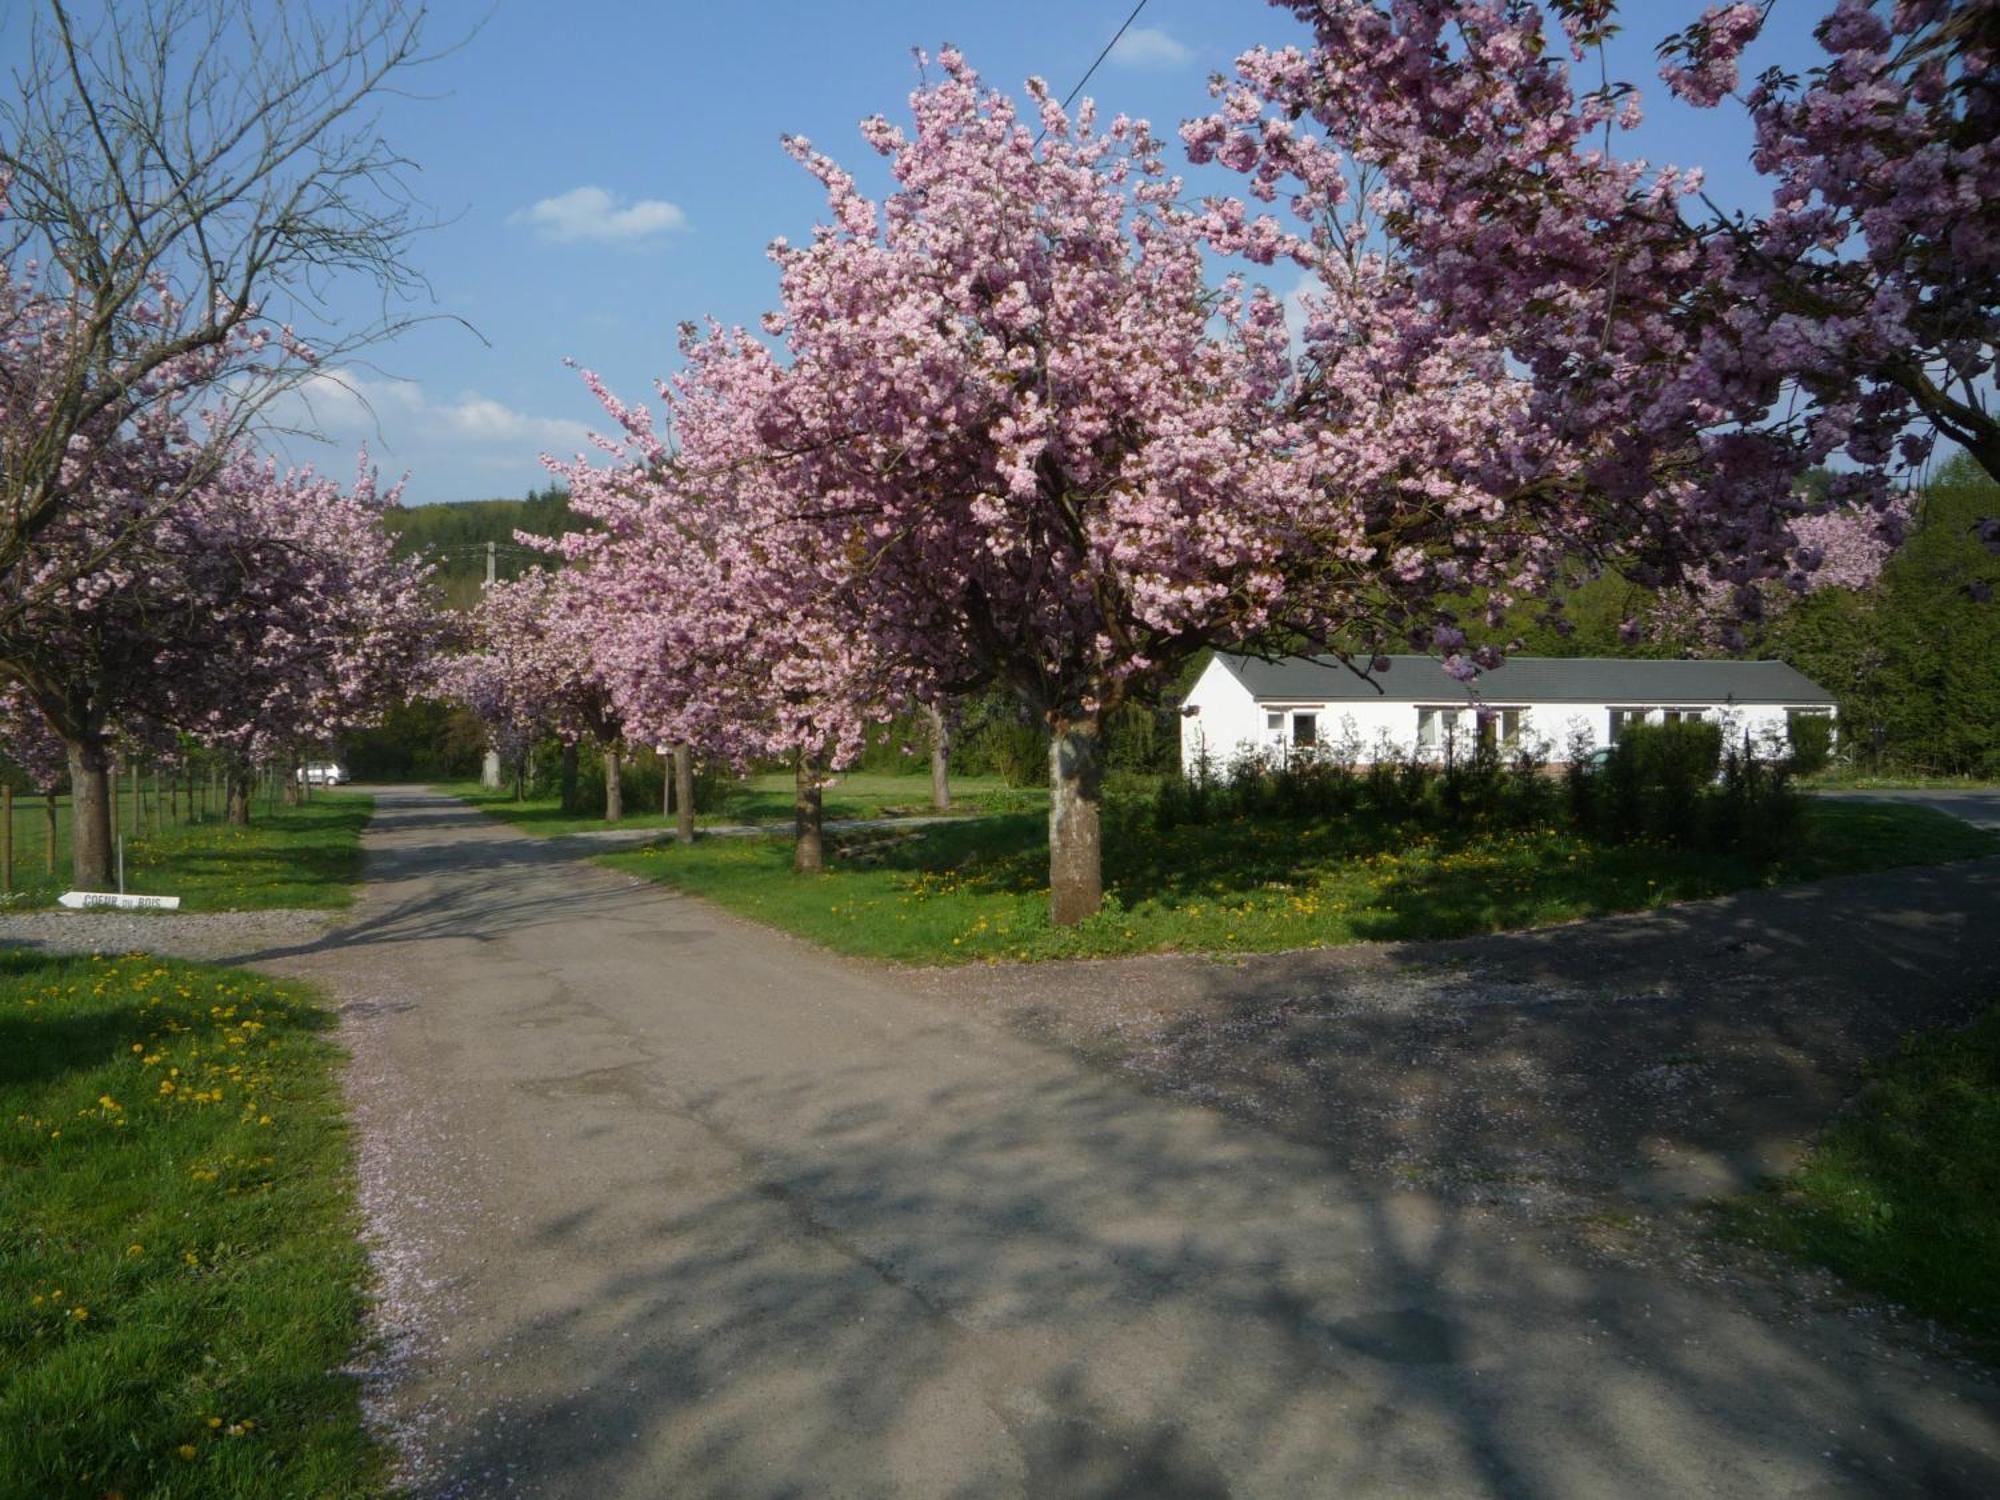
1532 679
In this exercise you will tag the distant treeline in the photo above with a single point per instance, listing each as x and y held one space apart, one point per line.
454 534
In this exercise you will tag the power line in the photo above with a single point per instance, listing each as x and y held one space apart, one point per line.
1116 37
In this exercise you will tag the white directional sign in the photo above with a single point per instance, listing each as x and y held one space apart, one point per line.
77 900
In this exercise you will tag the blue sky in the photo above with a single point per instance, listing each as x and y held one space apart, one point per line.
607 170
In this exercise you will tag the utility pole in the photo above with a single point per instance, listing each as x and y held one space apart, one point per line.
489 770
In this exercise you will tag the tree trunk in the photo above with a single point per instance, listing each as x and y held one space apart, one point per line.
684 793
808 811
568 788
940 760
614 788
237 790
1076 843
295 785
90 794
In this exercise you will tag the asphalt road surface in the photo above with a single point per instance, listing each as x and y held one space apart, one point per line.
668 1204
1978 807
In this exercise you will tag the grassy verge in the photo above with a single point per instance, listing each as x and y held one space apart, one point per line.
306 856
768 799
179 1274
1901 1195
960 892
1839 781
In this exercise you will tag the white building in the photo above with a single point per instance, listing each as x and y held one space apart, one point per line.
1247 705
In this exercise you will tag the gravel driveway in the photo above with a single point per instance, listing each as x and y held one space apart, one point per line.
1643 1060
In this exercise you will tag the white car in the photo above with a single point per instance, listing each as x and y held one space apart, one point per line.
323 773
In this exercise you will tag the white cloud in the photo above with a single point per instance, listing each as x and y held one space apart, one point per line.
344 404
459 447
592 213
1150 47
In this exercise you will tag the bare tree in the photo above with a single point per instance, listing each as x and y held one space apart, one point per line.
182 184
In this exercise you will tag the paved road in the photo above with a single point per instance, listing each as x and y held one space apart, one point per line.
1978 807
671 1205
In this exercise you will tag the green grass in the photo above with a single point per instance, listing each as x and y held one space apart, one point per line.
180 1280
977 890
33 868
1848 781
768 799
1901 1195
305 856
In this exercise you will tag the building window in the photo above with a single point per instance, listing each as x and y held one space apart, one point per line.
1437 726
1620 717
1305 729
1274 723
1683 715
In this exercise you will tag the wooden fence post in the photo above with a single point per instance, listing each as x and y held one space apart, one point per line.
7 839
49 810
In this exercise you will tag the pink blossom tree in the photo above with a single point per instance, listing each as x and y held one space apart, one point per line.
257 606
719 636
343 629
172 172
1686 365
1037 447
534 669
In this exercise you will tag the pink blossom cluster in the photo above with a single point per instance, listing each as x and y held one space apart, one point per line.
714 622
261 613
1683 366
27 741
1843 549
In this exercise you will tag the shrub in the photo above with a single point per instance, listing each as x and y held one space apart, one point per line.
1655 781
1754 809
1811 740
1003 744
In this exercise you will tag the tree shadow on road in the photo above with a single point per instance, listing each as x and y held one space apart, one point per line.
1072 1290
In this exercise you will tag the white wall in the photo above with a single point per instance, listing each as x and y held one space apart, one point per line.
1223 721
1229 723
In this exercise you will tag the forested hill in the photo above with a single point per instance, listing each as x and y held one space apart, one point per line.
454 534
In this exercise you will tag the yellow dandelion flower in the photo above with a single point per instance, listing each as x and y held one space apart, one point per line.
186 1450
135 1248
